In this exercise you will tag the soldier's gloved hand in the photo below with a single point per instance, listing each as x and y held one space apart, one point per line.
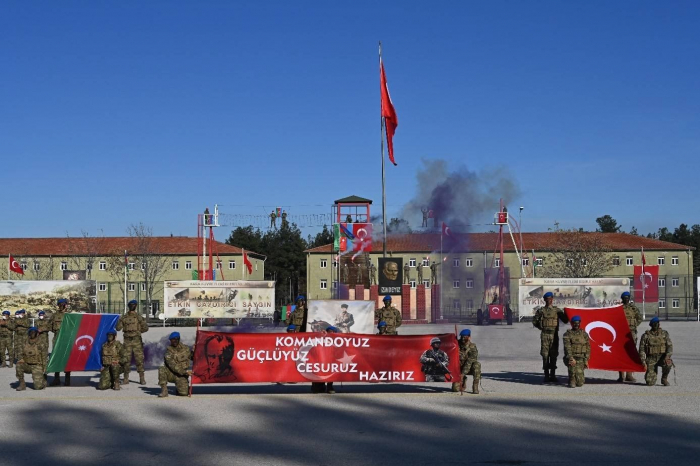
572 362
586 365
189 373
668 361
645 365
21 361
430 359
103 369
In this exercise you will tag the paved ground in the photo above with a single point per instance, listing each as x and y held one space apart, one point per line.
515 421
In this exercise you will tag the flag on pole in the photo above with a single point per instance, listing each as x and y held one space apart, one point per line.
247 263
126 259
15 266
391 121
446 230
287 310
279 211
534 263
79 343
195 275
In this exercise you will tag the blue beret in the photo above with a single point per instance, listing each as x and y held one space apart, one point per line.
42 313
291 327
381 324
32 329
300 298
17 313
133 301
576 319
654 320
62 301
548 294
332 329
626 293
387 298
174 335
465 333
6 313
22 311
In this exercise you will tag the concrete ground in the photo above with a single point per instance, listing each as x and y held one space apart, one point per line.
515 420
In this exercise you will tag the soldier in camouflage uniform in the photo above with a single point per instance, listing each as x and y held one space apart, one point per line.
298 316
577 352
56 321
176 368
320 387
547 320
634 318
468 362
20 326
390 315
32 361
406 274
434 362
7 329
112 358
42 322
656 349
133 325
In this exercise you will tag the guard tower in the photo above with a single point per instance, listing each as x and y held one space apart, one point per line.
206 252
352 265
354 207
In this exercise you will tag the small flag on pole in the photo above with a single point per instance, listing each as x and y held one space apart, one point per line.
15 266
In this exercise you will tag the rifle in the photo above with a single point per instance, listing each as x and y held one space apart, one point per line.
448 374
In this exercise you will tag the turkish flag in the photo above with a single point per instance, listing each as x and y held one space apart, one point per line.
496 312
15 267
391 121
363 237
247 263
612 346
446 230
646 283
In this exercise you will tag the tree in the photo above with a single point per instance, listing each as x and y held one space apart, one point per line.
607 224
577 254
634 231
247 238
322 238
398 225
84 251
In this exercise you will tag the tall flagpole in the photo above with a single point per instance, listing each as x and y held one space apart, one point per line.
439 274
125 267
642 281
381 134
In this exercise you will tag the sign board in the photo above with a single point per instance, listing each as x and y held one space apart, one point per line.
390 275
570 292
38 295
219 299
346 316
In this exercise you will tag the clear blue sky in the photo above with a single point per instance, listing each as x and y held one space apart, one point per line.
118 112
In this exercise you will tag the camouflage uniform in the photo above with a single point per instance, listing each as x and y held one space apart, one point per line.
547 320
297 318
20 327
654 348
55 323
391 316
6 338
433 370
469 365
44 326
634 318
33 361
577 346
112 357
133 325
177 362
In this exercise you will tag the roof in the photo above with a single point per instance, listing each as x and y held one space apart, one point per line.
104 246
472 242
353 200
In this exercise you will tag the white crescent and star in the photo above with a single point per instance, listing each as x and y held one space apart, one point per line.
599 324
83 347
642 278
15 265
310 375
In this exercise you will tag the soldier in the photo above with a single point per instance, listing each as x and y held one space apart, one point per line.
320 387
344 273
577 352
32 361
656 349
419 269
435 362
273 220
20 326
381 327
390 315
284 219
133 325
55 324
433 273
468 362
176 367
547 320
43 323
372 274
406 277
344 320
424 211
112 356
358 278
7 329
634 318
298 316
291 328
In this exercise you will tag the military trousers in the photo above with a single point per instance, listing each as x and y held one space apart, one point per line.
577 372
474 369
37 371
549 349
653 361
19 341
108 376
133 345
165 375
435 377
7 346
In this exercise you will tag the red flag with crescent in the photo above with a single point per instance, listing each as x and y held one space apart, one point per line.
391 121
646 283
15 267
363 237
612 345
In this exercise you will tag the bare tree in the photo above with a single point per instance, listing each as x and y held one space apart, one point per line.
84 251
577 254
35 267
152 264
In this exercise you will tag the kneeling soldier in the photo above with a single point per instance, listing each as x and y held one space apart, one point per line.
112 353
577 352
176 369
468 362
33 361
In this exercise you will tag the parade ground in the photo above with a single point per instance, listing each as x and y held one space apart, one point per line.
515 419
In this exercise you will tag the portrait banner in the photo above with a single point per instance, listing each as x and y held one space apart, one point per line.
570 292
491 285
221 357
390 275
38 295
346 316
219 299
74 275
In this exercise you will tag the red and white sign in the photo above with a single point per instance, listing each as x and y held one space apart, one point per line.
496 311
612 346
15 267
646 283
363 237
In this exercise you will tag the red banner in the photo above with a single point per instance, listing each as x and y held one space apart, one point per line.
221 357
363 237
612 346
646 284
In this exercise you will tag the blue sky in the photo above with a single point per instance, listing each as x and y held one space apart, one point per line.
125 112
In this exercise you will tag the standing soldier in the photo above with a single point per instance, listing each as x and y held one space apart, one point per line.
419 269
433 273
468 362
344 272
273 220
372 274
6 333
55 323
176 368
547 320
298 316
577 352
406 271
32 361
656 349
424 211
390 315
133 325
20 327
634 318
112 354
43 324
284 219
358 278
435 362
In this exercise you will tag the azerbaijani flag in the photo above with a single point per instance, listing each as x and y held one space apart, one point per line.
286 310
80 341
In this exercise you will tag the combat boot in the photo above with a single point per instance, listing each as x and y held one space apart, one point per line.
664 381
546 376
116 385
163 391
630 378
142 378
329 389
126 379
22 386
621 377
475 387
572 382
10 366
67 380
553 376
455 386
56 380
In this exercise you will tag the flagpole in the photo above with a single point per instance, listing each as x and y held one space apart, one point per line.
439 313
125 267
243 264
643 279
381 137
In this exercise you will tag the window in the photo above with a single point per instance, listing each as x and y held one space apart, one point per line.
23 265
469 262
616 261
457 305
569 262
584 262
426 263
324 263
426 284
662 282
470 305
675 282
132 286
526 261
143 266
143 287
188 265
455 262
662 303
413 283
629 260
540 262
470 283
176 265
497 263
232 265
661 260
64 266
324 284
455 283
36 266
335 285
335 264
219 265
412 262
102 287
674 260
89 266
103 265
675 303
132 266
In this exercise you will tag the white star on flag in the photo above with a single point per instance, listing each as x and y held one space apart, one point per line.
82 347
606 348
346 359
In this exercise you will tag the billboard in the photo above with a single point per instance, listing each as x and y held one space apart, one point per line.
347 316
74 275
491 285
570 292
219 299
390 275
37 295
